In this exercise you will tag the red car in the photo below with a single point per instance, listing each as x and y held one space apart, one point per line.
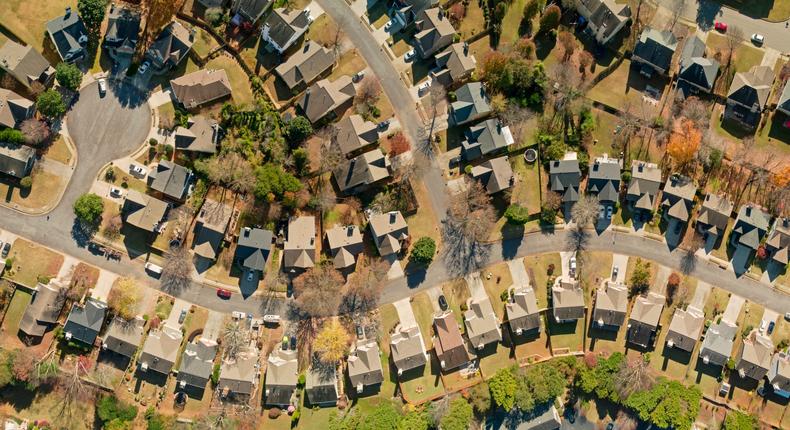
223 293
720 26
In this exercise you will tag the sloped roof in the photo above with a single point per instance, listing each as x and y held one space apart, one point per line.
449 343
694 67
197 363
567 301
238 376
172 44
364 364
779 240
471 100
647 309
299 248
210 227
645 181
306 64
200 87
251 9
14 109
718 342
388 230
752 87
490 135
253 247
161 349
495 174
170 179
607 14
755 357
752 223
143 211
435 31
200 135
324 96
784 98
482 325
656 47
282 375
354 132
458 61
523 313
14 159
611 304
85 321
123 27
123 337
68 34
681 187
715 212
285 24
564 174
24 62
345 243
685 328
321 385
362 170
43 310
407 349
779 373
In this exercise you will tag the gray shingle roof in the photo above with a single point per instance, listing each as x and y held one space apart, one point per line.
495 174
717 346
471 102
44 310
715 212
200 87
644 318
282 374
362 171
754 359
25 63
212 222
457 61
604 180
171 46
435 32
324 96
388 230
364 365
170 179
123 337
16 160
354 133
69 35
567 301
522 312
200 135
123 27
197 363
753 87
143 211
694 67
484 138
482 325
751 225
321 385
239 376
285 26
611 305
305 65
160 350
85 321
345 243
14 109
299 248
251 10
253 248
407 349
685 328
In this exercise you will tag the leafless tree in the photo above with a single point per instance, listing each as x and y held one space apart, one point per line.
234 339
470 219
634 376
35 131
335 42
46 368
177 270
363 290
733 38
516 118
412 168
318 291
697 111
368 94
438 97
74 388
585 211
676 7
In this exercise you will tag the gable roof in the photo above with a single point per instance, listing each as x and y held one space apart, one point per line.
172 45
755 357
611 304
717 345
364 365
471 101
685 328
85 321
170 179
15 160
645 183
694 67
282 374
44 310
68 34
482 325
123 337
200 135
435 31
752 87
752 223
522 312
143 211
779 240
25 63
362 170
567 301
495 174
564 174
200 87
449 343
14 109
354 132
606 15
160 350
715 212
407 349
779 373
251 9
542 417
345 243
197 363
210 227
253 248
324 96
239 376
123 27
644 318
656 47
286 25
299 247
306 64
457 61
388 230
784 98
489 136
321 385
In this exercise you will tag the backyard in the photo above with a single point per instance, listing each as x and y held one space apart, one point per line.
13 315
28 20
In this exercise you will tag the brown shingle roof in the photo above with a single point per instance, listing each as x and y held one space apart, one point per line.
203 86
449 343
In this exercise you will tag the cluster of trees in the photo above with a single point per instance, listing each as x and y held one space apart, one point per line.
423 251
384 416
522 79
50 104
531 387
124 298
115 414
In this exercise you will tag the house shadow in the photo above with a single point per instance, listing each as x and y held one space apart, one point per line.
775 270
113 359
675 354
150 377
192 392
711 370
741 260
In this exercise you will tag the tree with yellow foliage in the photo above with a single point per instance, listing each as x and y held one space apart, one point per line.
782 178
684 143
331 343
124 297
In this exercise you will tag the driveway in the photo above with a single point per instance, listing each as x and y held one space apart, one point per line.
475 284
405 313
179 305
518 272
214 324
565 260
700 295
660 284
619 261
733 309
103 286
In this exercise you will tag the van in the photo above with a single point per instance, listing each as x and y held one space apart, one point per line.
153 268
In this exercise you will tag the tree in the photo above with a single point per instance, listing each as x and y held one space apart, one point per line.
550 19
112 229
503 387
585 211
110 408
26 182
273 182
458 415
633 376
531 10
69 75
301 161
23 368
423 251
124 298
538 385
470 219
88 208
50 104
158 13
331 343
640 278
234 339
555 151
684 143
456 13
526 48
586 61
697 112
10 135
517 214
480 398
737 420
668 404
92 14
414 420
362 292
177 270
35 131
317 291
368 94
599 379
568 43
399 144
298 129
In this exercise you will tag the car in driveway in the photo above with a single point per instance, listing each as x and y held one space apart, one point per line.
238 315
138 171
182 316
423 87
102 86
388 25
409 55
116 192
223 293
758 39
572 267
442 302
720 26
144 67
615 271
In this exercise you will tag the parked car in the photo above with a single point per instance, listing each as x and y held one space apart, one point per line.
615 271
384 124
443 302
238 315
358 76
758 39
7 248
116 192
609 211
182 316
720 26
223 293
153 268
360 332
144 67
423 87
271 319
102 86
138 171
293 342
771 326
763 325
388 25
285 343
409 55
573 266
787 315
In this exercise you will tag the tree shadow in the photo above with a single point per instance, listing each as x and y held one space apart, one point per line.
462 255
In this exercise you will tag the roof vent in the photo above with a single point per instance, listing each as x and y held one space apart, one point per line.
350 231
748 210
393 217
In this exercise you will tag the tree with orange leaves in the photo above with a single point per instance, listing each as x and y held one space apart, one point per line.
684 143
782 179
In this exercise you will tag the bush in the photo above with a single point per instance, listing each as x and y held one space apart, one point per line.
626 176
109 175
153 142
423 251
295 417
517 214
68 76
26 182
298 129
9 263
43 279
168 150
468 169
504 296
214 374
302 380
275 413
88 208
50 104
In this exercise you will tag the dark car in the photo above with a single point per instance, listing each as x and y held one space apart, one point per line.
223 293
610 426
6 249
443 302
360 332
771 327
293 342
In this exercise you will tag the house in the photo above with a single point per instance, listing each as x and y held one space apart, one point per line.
201 87
171 47
389 231
170 179
407 349
253 248
44 310
750 227
487 137
123 28
605 18
495 174
434 32
714 215
643 322
299 247
321 386
210 227
16 161
305 66
564 179
14 109
717 345
200 135
160 350
364 366
282 375
345 244
779 374
471 104
68 35
123 337
604 180
697 73
361 172
405 12
654 50
778 243
354 135
448 343
748 95
197 364
522 311
85 321
644 185
239 377
482 325
754 358
143 211
284 27
25 64
454 65
327 99
248 10
678 197
783 105
611 305
685 328
542 417
567 300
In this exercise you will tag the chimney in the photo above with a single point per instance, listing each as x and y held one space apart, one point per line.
393 217
466 48
68 12
350 231
247 231
749 210
786 222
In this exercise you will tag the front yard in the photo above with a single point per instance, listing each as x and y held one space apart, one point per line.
46 189
30 261
542 269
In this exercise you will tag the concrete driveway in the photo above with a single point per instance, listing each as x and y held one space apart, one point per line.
214 324
434 294
518 272
660 284
621 262
700 295
733 309
178 306
405 313
103 286
475 284
565 260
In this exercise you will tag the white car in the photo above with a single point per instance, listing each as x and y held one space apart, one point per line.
423 87
102 86
143 67
615 271
271 319
758 39
601 212
238 315
409 55
153 268
573 266
138 171
116 192
609 211
388 25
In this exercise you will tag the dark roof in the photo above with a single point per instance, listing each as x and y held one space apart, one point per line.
239 376
161 350
25 63
361 171
644 185
471 101
784 99
751 224
715 212
200 135
172 45
694 67
197 363
717 345
69 35
685 328
123 26
254 247
495 174
354 133
321 385
251 9
170 179
486 137
284 25
543 417
44 310
567 301
201 87
324 96
85 321
210 227
753 87
604 180
435 32
607 15
123 337
306 65
656 47
564 178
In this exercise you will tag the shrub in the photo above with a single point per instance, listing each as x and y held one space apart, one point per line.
517 214
302 380
423 251
88 208
275 413
9 263
153 142
550 269
26 182
68 76
109 175
43 279
468 169
504 296
50 104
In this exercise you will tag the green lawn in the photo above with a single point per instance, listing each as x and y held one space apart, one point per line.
31 261
388 319
775 137
163 307
527 189
511 23
418 385
377 14
538 268
623 87
457 293
603 135
568 336
423 313
474 21
239 82
499 282
15 310
204 43
746 56
122 177
59 151
493 358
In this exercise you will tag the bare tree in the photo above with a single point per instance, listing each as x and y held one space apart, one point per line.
733 38
516 118
35 131
318 291
676 7
697 111
585 211
438 97
177 270
413 168
368 94
363 290
75 391
634 376
234 339
470 219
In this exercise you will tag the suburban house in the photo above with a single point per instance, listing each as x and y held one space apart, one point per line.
282 375
482 324
434 32
143 211
448 343
643 322
522 310
495 174
25 64
455 64
644 185
239 377
16 161
754 358
778 243
389 232
354 135
783 105
361 172
714 215
542 417
160 350
604 180
284 27
345 244
253 248
43 312
685 328
123 28
123 337
779 374
567 300
248 10
200 135
485 138
678 198
305 66
564 179
653 51
605 18
321 387
364 366
717 345
210 227
170 47
471 103
201 87
407 349
68 35
14 109
697 73
299 246
406 12
327 99
85 321
611 305
170 179
750 227
197 364
748 95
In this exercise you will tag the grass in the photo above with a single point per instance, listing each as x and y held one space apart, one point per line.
568 336
474 21
418 385
59 151
746 56
163 307
493 358
500 281
167 113
423 222
596 266
121 177
632 264
537 267
603 135
349 63
781 330
195 320
511 23
423 313
388 319
28 20
204 43
46 405
774 138
31 261
16 309
623 87
716 303
527 191
323 30
314 417
223 269
770 10
46 188
377 14
239 82
457 293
